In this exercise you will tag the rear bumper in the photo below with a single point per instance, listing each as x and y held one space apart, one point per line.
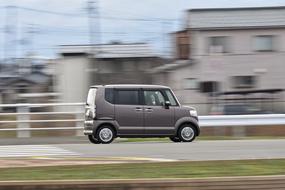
88 127
88 132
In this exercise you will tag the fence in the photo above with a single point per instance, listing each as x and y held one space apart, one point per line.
23 120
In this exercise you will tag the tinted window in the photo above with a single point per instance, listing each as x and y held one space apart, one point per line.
127 97
153 98
109 95
171 98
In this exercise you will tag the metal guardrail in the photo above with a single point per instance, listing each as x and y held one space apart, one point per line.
23 120
242 120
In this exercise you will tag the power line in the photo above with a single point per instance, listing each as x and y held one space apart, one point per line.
10 37
42 11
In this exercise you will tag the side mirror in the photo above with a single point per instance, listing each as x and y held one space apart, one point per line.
167 104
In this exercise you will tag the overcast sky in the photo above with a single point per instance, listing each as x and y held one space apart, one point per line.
62 22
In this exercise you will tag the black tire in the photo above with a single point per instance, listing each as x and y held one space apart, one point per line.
175 139
109 133
93 140
187 133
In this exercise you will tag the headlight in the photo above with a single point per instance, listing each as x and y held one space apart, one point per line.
193 113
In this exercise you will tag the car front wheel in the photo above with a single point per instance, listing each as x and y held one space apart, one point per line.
187 133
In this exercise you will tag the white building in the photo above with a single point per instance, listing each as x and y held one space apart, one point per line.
234 49
81 66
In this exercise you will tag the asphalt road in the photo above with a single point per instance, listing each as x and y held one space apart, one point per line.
199 150
157 151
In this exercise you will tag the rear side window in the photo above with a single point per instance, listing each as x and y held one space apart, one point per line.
127 97
109 95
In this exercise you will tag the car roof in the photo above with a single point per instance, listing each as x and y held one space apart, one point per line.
130 86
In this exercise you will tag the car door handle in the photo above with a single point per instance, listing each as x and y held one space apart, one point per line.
138 109
148 109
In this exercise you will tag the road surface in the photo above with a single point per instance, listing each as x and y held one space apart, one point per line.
199 150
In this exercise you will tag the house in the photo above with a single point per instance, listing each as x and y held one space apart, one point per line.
230 50
25 81
81 66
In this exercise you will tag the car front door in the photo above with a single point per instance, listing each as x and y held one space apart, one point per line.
129 111
158 120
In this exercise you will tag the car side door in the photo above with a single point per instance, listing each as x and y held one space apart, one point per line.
129 111
158 119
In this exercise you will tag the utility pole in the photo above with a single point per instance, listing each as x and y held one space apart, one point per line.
94 37
10 37
31 31
165 25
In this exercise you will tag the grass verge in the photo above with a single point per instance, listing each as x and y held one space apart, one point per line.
149 170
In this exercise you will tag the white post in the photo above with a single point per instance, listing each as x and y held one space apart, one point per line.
25 116
79 115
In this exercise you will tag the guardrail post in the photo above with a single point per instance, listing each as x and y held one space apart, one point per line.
79 116
25 116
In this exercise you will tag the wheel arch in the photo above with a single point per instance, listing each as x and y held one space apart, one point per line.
187 120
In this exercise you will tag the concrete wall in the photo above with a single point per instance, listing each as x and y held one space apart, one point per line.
73 78
76 73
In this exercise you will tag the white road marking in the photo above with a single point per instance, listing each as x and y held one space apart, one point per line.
33 151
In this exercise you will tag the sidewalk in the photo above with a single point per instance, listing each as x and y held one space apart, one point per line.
44 140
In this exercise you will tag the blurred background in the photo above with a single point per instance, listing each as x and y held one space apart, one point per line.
221 57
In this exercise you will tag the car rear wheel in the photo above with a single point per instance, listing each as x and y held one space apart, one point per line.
105 134
174 139
93 140
187 133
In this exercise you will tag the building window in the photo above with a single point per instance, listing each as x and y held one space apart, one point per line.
182 45
244 81
209 86
218 44
190 83
263 43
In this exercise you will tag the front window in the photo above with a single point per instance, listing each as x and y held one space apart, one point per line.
171 98
91 97
153 98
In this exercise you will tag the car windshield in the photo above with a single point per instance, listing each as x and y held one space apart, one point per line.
91 97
